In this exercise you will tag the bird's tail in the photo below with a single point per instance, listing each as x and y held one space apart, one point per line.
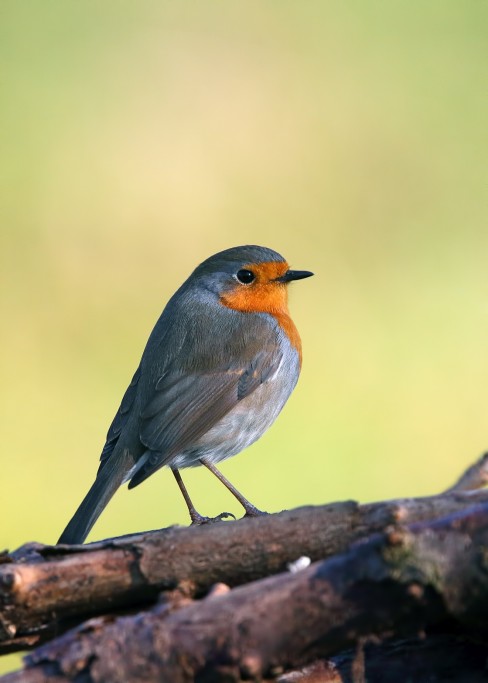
108 480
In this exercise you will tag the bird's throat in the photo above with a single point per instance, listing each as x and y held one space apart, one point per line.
265 297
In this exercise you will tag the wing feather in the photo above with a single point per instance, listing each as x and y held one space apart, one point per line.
120 418
186 406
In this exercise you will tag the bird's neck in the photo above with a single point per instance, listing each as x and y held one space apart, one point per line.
266 299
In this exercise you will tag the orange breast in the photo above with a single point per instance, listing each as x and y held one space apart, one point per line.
265 295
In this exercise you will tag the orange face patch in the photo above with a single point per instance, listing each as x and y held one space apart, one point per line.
265 295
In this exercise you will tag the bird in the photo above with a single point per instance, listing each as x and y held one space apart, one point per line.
217 369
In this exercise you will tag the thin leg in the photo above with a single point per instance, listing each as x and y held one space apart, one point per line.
251 510
196 517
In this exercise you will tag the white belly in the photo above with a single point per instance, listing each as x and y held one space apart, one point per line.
245 423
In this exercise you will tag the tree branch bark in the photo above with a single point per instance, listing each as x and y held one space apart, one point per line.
45 589
396 583
206 612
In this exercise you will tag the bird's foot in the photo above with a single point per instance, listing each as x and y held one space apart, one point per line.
252 511
197 519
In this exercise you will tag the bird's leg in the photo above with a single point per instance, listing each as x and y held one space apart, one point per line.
196 517
251 510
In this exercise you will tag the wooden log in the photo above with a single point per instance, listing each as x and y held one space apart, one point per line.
44 589
394 584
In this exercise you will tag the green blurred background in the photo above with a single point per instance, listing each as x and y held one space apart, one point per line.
139 138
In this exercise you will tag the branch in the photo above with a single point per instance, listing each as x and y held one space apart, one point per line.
426 659
396 583
475 477
46 589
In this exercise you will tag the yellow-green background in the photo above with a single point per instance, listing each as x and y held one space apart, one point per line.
140 137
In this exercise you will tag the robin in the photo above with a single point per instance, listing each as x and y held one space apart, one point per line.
217 369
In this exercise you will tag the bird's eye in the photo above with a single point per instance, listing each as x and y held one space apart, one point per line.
245 276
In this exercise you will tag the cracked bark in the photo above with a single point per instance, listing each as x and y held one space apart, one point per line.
396 583
45 589
392 584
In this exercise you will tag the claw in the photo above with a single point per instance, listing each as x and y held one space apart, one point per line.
223 515
252 511
197 519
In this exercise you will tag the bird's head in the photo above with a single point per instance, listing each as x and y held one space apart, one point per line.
249 279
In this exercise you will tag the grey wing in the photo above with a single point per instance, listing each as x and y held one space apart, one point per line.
120 419
186 406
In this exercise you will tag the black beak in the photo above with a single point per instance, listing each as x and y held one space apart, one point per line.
294 275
